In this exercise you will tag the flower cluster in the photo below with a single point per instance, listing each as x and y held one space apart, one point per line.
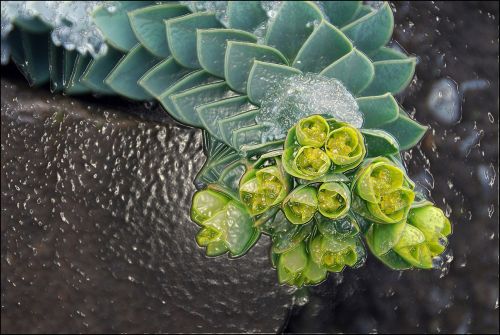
319 199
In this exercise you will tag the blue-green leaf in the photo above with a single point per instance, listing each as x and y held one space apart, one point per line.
324 46
379 143
149 26
391 76
125 76
30 53
371 31
181 36
354 70
162 76
98 70
246 15
194 79
406 131
264 76
248 135
115 25
386 53
211 113
56 55
32 24
292 26
211 47
239 60
241 120
69 59
75 86
340 12
378 110
186 102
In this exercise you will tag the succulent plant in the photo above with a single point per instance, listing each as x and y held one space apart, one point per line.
301 130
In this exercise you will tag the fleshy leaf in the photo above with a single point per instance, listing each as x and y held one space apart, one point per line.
354 70
391 76
291 27
162 76
340 12
125 76
246 15
195 78
248 135
69 60
75 86
227 125
324 46
211 47
149 27
56 67
379 143
30 53
32 24
264 76
239 59
181 36
98 70
211 113
371 31
386 53
378 110
406 131
186 102
115 25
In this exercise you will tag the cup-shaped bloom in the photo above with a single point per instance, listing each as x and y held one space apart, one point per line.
345 146
296 268
226 225
263 188
334 200
334 253
312 131
301 204
424 237
307 162
385 196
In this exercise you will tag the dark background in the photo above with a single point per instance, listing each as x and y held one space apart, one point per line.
95 236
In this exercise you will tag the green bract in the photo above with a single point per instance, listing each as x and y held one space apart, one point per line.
334 200
415 242
296 268
312 131
316 146
345 146
383 192
219 76
301 204
334 252
261 189
226 226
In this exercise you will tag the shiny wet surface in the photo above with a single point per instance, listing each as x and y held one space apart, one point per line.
96 235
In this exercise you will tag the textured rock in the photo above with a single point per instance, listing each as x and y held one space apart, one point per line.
96 235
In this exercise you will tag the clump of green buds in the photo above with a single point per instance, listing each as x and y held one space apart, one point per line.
315 146
318 199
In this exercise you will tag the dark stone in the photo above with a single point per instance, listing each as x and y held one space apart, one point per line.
96 234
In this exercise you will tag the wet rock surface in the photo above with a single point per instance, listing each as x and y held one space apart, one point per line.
457 163
96 235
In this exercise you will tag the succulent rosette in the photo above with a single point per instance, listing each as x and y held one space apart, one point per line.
301 129
415 242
